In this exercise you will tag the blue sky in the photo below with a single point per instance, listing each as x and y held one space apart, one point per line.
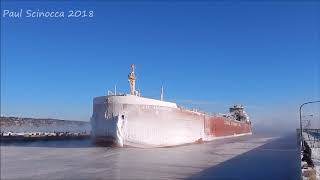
206 55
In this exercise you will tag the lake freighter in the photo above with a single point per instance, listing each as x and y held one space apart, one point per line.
135 121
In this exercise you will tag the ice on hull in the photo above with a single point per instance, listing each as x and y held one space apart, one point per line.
108 131
141 122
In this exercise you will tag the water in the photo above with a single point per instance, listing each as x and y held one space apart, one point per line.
82 160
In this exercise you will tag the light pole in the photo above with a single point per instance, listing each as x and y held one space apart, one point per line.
301 138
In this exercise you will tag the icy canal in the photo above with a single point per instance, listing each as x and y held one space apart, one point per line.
250 157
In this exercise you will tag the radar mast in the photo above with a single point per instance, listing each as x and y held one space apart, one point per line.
132 80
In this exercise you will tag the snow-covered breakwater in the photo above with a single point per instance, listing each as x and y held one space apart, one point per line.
19 125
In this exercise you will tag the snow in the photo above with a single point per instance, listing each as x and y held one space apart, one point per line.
314 144
16 125
316 160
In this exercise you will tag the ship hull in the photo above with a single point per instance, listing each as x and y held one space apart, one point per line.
151 125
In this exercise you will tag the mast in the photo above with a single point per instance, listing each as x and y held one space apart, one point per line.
132 80
161 95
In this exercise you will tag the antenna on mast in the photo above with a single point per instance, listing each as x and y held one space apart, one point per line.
161 95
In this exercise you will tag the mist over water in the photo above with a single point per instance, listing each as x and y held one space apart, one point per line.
83 160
